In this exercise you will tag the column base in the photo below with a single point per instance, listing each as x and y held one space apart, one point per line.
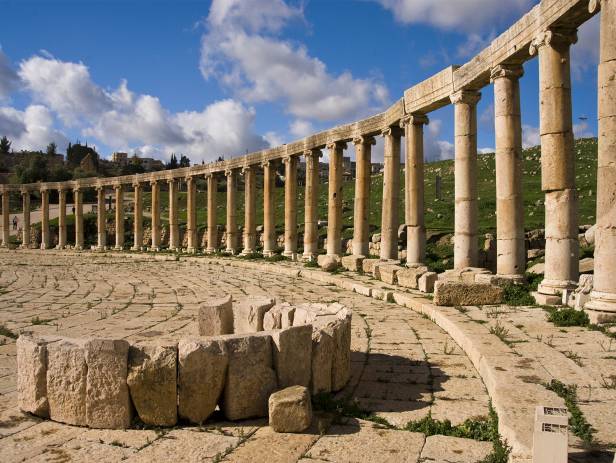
210 250
191 250
60 246
247 252
136 248
309 257
78 247
268 253
118 248
555 287
500 280
154 249
45 246
99 248
290 255
231 251
547 299
601 308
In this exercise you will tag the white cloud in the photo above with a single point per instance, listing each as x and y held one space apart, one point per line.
9 80
530 136
468 15
582 130
474 43
301 128
243 51
435 149
585 53
31 129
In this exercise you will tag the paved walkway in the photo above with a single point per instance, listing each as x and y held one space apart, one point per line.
36 215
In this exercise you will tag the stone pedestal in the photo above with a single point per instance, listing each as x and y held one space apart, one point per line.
119 217
191 214
414 190
466 209
391 194
290 206
310 206
602 304
155 215
174 226
250 210
232 235
269 182
138 225
101 218
212 229
6 231
25 231
511 253
557 160
61 219
78 203
45 238
334 209
363 163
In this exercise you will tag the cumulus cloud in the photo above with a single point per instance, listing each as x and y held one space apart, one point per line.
468 15
242 50
301 128
530 136
9 80
31 129
585 53
434 148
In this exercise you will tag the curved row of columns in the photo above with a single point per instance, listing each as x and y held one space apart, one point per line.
557 172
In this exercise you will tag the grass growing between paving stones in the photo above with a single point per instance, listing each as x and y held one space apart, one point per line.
345 408
4 331
567 317
579 426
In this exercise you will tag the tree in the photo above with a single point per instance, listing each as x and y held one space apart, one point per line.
75 154
5 145
52 149
32 170
173 162
184 161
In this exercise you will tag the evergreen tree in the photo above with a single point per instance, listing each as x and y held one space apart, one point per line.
184 161
173 162
5 145
51 149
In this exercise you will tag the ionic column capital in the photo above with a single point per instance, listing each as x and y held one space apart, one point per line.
290 157
391 131
118 186
414 119
508 71
314 152
230 172
594 6
248 169
334 145
553 37
469 97
364 140
99 188
24 191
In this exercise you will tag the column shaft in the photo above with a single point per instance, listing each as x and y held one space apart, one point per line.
510 247
45 239
119 217
602 305
250 210
414 189
174 226
61 219
101 218
25 231
155 215
6 231
290 206
334 209
138 224
466 208
78 201
231 225
361 207
311 195
212 227
191 214
269 226
557 163
391 194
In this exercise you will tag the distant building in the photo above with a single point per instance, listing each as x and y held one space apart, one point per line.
88 164
150 164
119 158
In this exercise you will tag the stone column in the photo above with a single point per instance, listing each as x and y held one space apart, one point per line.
250 210
174 226
101 218
391 194
155 215
61 219
466 208
231 225
119 217
334 209
602 305
6 231
45 239
363 167
25 231
311 196
138 225
269 225
510 247
212 228
414 189
290 206
78 202
191 214
557 164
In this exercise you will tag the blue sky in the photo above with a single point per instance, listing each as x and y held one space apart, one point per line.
223 77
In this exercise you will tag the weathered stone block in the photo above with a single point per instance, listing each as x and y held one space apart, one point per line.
272 320
341 363
450 293
328 263
216 317
152 382
250 377
108 403
290 410
388 273
426 282
368 265
377 266
323 346
409 277
248 314
352 263
66 381
32 375
203 365
292 349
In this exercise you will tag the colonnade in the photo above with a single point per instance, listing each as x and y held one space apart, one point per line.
551 45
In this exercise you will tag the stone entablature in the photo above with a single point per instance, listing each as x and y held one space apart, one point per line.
104 383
